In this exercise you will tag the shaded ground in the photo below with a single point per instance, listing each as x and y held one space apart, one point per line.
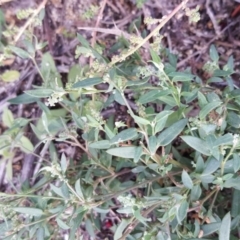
219 25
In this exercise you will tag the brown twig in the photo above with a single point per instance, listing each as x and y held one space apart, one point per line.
99 18
154 32
29 21
212 17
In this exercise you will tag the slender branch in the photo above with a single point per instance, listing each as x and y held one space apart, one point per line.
99 18
30 20
135 222
154 32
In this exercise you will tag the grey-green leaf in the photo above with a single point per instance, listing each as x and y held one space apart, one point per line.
57 190
182 211
63 163
125 135
181 76
87 82
23 99
140 120
197 144
62 224
210 228
226 139
20 52
208 108
213 53
29 210
124 152
152 96
172 132
39 93
235 208
79 189
161 120
224 231
187 181
119 231
103 144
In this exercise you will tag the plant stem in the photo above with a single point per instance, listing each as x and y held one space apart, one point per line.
30 20
155 31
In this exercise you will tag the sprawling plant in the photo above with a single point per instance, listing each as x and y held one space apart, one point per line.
169 170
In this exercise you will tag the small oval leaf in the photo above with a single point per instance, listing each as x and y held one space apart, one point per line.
187 181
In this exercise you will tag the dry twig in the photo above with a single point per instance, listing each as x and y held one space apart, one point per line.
99 18
212 17
30 20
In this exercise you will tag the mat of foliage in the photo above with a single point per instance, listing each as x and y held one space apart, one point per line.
127 138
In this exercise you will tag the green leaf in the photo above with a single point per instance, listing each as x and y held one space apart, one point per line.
214 80
235 207
90 229
121 227
25 145
74 73
161 120
76 222
140 120
137 83
224 231
40 93
29 210
208 108
213 53
7 117
82 40
169 100
152 145
152 96
48 67
233 119
62 224
139 217
87 82
79 189
103 144
187 181
221 73
236 162
197 144
19 52
124 152
124 135
63 163
23 99
226 139
138 154
181 76
87 52
202 100
57 190
10 76
77 119
182 211
211 166
118 97
230 64
155 56
172 132
210 228
196 192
